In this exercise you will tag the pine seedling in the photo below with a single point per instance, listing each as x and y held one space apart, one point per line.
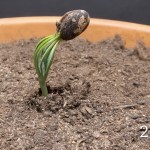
70 25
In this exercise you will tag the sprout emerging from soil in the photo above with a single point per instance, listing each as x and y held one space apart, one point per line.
72 24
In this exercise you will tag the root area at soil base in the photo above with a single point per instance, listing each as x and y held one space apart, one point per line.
99 97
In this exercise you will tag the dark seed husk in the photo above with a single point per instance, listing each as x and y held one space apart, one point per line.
72 24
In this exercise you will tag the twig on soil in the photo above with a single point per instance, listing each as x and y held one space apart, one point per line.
79 142
130 106
102 122
65 103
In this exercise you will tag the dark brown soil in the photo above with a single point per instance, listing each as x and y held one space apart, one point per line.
99 97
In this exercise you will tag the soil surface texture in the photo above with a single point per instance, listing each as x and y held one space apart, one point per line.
99 97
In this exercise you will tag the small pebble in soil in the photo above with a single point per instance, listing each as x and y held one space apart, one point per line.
96 134
47 113
141 102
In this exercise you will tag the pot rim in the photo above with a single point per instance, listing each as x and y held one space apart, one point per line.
16 28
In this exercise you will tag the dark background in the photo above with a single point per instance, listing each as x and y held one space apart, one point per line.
137 11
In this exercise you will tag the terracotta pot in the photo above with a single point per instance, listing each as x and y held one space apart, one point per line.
12 29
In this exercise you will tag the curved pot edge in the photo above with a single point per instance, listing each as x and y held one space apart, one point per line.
12 29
